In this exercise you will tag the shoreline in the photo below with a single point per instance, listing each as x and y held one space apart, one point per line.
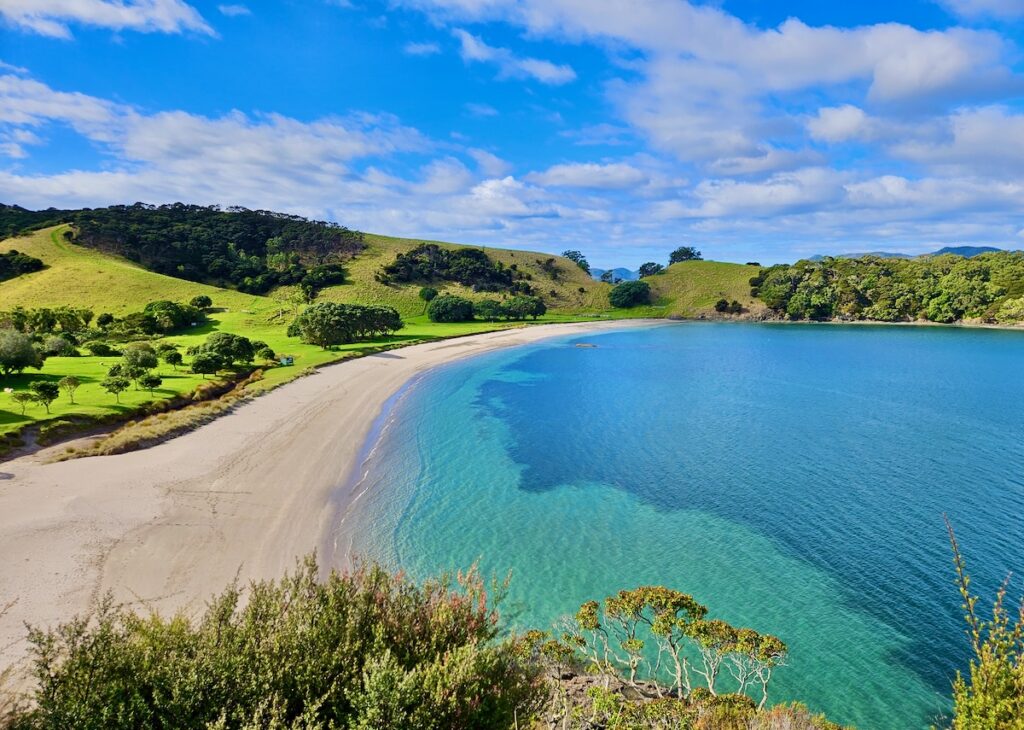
240 498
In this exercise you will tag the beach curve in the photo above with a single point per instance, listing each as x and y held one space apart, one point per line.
242 497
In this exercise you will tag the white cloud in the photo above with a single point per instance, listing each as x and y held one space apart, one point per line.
53 17
421 49
233 11
839 124
1004 9
981 140
591 175
709 84
489 164
474 49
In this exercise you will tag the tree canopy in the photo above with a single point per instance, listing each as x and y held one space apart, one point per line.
470 267
578 258
450 308
630 294
328 324
684 253
14 264
251 250
944 288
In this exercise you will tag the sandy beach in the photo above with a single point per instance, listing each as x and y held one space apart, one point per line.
244 496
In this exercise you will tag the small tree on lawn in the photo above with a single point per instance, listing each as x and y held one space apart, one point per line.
23 398
173 359
201 302
69 384
116 385
151 381
44 392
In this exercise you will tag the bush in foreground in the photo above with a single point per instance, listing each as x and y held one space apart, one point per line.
360 650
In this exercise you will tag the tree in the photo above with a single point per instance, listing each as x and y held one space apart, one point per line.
450 308
428 293
173 358
630 294
267 354
104 320
201 302
722 305
684 253
69 384
650 269
522 306
229 347
489 309
607 276
17 353
151 381
44 392
578 258
139 356
23 398
206 363
115 385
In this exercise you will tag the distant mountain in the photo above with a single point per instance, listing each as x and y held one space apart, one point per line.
966 251
620 273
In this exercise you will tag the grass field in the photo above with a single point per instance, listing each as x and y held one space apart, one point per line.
81 277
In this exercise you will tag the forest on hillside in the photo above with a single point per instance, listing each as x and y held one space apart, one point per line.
250 250
943 289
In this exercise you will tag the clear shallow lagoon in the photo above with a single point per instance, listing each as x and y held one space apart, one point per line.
792 478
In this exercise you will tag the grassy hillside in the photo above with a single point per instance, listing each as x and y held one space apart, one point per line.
561 293
691 288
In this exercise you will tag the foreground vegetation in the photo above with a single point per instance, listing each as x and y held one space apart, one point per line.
369 649
364 649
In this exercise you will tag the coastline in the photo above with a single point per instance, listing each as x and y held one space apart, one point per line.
241 498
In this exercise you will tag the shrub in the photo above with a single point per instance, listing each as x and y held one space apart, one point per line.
58 346
265 353
359 650
201 302
450 308
630 294
98 348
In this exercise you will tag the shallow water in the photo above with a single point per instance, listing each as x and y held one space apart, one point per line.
792 478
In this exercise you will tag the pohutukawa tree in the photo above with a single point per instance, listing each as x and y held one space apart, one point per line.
655 633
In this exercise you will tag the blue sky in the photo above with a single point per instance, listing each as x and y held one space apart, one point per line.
753 130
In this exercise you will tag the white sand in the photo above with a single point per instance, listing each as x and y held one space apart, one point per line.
244 496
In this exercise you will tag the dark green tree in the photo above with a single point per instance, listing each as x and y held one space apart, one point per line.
44 392
115 385
577 258
173 358
230 348
150 382
489 309
684 253
630 294
450 308
650 269
206 363
201 302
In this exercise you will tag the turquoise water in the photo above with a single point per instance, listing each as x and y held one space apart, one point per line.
792 478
